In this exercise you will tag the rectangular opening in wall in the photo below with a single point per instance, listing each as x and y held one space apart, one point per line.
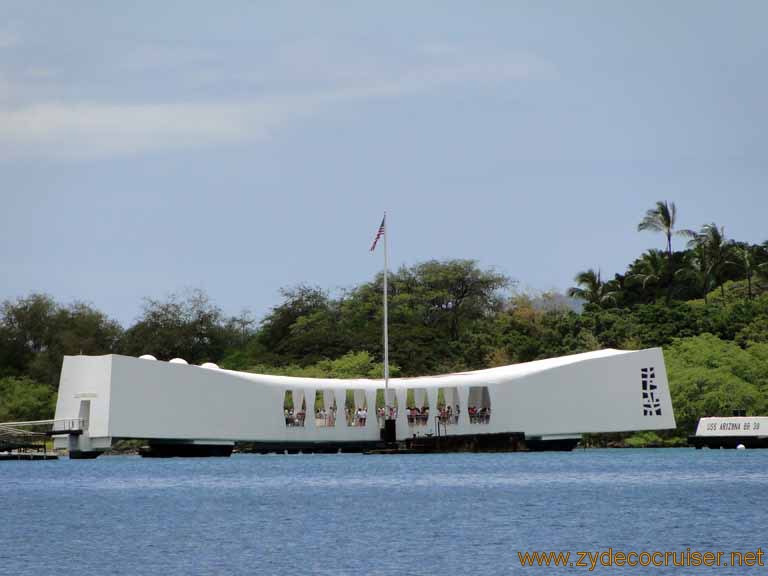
418 407
325 409
381 406
356 408
448 405
479 405
294 408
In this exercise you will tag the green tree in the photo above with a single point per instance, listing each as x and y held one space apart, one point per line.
650 270
696 269
746 259
28 328
459 290
23 399
710 377
36 332
592 289
440 315
662 219
302 329
351 365
712 253
189 327
77 329
526 332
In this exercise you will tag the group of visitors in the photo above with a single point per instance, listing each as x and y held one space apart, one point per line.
418 416
381 414
448 415
358 417
479 415
325 417
294 418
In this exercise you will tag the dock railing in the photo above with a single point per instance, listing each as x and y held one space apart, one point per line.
45 427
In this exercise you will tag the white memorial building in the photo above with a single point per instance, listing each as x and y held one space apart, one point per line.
180 409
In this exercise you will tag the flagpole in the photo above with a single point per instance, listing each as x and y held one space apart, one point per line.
389 434
386 322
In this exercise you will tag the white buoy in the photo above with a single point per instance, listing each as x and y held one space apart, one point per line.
178 361
147 357
741 447
209 365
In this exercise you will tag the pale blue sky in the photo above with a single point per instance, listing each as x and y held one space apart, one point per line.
243 146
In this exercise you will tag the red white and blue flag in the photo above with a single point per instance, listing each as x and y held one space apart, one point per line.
380 233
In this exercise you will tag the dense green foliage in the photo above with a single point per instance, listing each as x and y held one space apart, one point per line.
191 328
36 332
22 399
707 305
713 376
351 365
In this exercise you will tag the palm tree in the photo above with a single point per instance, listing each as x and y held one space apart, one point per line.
661 219
746 258
592 289
650 269
696 267
712 252
762 255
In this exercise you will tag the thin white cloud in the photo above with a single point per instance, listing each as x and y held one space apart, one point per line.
92 129
439 49
439 75
40 73
164 57
9 37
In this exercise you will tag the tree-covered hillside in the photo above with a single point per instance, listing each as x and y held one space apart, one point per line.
706 304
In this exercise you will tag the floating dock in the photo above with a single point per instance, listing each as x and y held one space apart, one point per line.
25 441
26 456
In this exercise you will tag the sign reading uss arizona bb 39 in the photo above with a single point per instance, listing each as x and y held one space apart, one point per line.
733 426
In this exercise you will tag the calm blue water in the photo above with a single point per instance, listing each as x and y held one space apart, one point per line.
354 514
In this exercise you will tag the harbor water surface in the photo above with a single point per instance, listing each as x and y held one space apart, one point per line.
352 514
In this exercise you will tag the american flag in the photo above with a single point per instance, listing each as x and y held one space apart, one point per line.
380 233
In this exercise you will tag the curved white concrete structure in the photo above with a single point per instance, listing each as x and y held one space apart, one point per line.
122 397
